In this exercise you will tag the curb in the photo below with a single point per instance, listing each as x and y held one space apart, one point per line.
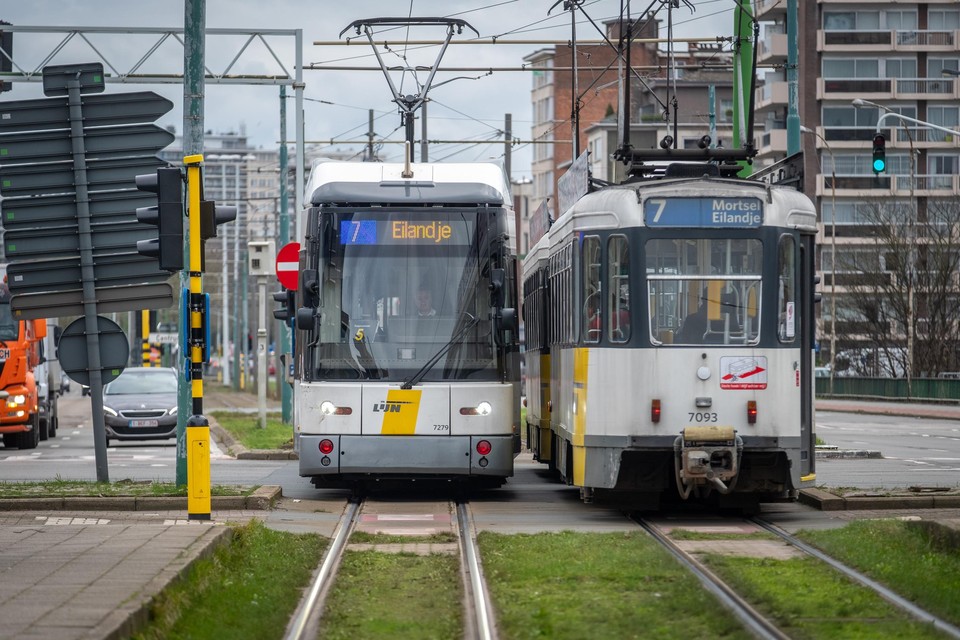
847 454
225 440
261 499
826 501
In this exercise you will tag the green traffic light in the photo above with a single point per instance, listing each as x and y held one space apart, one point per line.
879 165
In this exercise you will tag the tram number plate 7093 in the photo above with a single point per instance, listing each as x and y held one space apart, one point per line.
703 416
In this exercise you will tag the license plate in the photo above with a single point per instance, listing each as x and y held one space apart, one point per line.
144 423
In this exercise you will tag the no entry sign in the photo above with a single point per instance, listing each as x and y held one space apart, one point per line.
288 264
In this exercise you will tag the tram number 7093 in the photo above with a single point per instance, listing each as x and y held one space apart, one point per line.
705 416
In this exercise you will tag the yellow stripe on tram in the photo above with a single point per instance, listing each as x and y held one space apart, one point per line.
400 412
580 361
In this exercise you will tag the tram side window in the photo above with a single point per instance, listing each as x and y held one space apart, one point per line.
592 300
618 289
787 289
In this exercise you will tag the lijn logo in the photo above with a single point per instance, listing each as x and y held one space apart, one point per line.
389 407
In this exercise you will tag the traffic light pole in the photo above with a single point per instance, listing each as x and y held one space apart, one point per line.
198 428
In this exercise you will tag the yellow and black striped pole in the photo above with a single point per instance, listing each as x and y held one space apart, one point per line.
145 337
198 429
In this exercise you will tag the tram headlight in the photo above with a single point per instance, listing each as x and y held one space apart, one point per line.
482 409
327 408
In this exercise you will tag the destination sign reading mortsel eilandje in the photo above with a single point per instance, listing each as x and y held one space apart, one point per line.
703 212
406 231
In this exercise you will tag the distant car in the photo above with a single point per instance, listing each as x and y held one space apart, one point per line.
141 404
822 372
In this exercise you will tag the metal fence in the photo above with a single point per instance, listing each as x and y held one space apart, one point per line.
921 389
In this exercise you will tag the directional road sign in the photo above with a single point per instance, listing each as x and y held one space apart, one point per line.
288 264
42 215
56 304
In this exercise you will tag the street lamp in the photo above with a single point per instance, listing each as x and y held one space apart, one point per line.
833 251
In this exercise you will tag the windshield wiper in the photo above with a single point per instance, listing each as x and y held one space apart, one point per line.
429 364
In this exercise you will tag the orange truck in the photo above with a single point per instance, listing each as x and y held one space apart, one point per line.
19 357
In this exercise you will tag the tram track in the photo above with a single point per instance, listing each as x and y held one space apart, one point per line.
753 620
887 594
760 625
478 617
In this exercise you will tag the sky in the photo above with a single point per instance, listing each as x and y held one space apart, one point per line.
464 105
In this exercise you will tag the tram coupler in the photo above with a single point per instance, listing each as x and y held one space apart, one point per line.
708 456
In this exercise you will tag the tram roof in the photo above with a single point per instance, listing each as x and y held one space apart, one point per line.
474 183
621 206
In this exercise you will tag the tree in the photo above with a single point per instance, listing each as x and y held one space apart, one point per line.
901 286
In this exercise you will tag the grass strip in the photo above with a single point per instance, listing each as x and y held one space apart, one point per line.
397 596
121 488
245 428
247 589
597 585
917 559
809 600
363 537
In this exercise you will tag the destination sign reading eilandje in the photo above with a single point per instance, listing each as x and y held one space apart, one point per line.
406 231
703 212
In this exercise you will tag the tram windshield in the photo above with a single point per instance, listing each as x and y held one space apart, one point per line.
397 287
704 291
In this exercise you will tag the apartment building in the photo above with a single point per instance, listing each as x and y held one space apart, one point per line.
701 81
858 60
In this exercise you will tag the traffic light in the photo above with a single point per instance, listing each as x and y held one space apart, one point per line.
167 216
211 216
879 153
288 298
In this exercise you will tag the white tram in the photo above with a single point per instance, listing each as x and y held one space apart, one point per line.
407 353
669 342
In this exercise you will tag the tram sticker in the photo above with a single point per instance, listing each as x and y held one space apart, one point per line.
716 212
743 372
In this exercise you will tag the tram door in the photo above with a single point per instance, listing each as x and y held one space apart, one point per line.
806 317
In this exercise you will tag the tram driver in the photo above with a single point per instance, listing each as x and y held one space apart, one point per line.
694 325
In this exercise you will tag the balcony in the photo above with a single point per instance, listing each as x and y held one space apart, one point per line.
767 10
868 185
771 95
773 141
940 88
898 137
830 41
772 49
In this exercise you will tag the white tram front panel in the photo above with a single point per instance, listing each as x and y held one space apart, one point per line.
404 367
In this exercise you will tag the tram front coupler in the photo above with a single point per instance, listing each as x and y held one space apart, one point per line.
707 457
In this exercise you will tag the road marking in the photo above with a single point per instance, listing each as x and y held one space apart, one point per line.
61 521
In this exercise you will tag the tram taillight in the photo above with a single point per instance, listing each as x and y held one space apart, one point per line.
326 446
655 410
752 411
484 447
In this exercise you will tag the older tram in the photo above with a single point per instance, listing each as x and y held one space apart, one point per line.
669 341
